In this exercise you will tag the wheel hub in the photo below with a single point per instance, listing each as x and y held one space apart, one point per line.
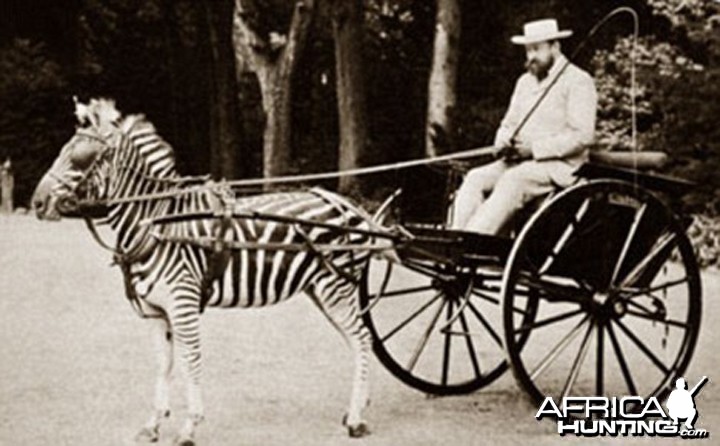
608 305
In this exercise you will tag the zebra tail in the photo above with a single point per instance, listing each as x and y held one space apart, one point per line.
382 212
379 218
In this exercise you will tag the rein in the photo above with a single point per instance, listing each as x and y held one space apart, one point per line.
210 185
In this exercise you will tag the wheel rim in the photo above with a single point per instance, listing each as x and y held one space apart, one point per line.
435 327
624 323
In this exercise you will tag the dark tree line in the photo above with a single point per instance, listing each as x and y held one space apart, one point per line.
178 61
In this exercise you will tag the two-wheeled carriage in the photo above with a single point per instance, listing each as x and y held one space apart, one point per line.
597 293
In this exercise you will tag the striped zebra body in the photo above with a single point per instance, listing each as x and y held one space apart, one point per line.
259 277
135 161
255 278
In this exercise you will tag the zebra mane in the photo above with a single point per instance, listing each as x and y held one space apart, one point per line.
129 122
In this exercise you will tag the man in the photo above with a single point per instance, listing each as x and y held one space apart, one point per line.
542 152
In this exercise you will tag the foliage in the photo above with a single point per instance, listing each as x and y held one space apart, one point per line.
33 94
705 237
697 15
657 65
677 96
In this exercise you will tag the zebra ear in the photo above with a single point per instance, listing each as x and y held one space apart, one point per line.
82 112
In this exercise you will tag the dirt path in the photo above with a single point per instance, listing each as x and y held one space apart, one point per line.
76 366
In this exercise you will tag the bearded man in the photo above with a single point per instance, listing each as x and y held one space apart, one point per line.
543 152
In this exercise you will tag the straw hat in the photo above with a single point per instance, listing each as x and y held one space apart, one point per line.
540 31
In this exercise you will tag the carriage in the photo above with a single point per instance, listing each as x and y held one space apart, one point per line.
595 291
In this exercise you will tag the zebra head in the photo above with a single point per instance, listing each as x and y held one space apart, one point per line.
77 172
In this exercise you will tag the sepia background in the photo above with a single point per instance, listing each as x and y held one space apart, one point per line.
75 365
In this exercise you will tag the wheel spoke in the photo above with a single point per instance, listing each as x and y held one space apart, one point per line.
559 347
641 345
446 351
405 291
662 247
600 361
486 324
423 341
579 359
628 242
409 319
560 244
643 308
496 301
621 359
657 318
550 320
632 292
470 345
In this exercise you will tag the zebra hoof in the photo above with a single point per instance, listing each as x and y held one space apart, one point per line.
184 442
358 431
147 435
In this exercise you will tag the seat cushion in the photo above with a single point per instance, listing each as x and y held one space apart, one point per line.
645 160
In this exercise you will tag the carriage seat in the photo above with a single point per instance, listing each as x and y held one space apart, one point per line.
630 160
636 168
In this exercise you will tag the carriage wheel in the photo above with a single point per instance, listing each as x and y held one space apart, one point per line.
618 295
435 327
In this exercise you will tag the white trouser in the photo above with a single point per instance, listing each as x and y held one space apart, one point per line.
512 186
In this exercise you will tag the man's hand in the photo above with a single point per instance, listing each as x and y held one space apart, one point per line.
516 152
523 148
507 153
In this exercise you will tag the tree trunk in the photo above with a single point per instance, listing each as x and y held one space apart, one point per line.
273 59
224 140
443 76
7 183
347 20
172 45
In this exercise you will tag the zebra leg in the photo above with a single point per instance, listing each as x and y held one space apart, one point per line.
340 306
185 320
162 343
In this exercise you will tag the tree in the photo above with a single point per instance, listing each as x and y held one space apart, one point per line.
224 142
273 57
443 75
347 24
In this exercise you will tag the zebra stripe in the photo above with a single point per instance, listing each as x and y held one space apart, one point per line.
142 163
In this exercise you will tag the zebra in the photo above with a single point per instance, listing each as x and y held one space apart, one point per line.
113 157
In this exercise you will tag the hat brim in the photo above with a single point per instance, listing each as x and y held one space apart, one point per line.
523 40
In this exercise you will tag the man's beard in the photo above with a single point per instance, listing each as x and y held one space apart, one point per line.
540 69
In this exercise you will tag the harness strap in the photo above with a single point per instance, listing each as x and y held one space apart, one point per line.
93 230
327 263
125 263
219 255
